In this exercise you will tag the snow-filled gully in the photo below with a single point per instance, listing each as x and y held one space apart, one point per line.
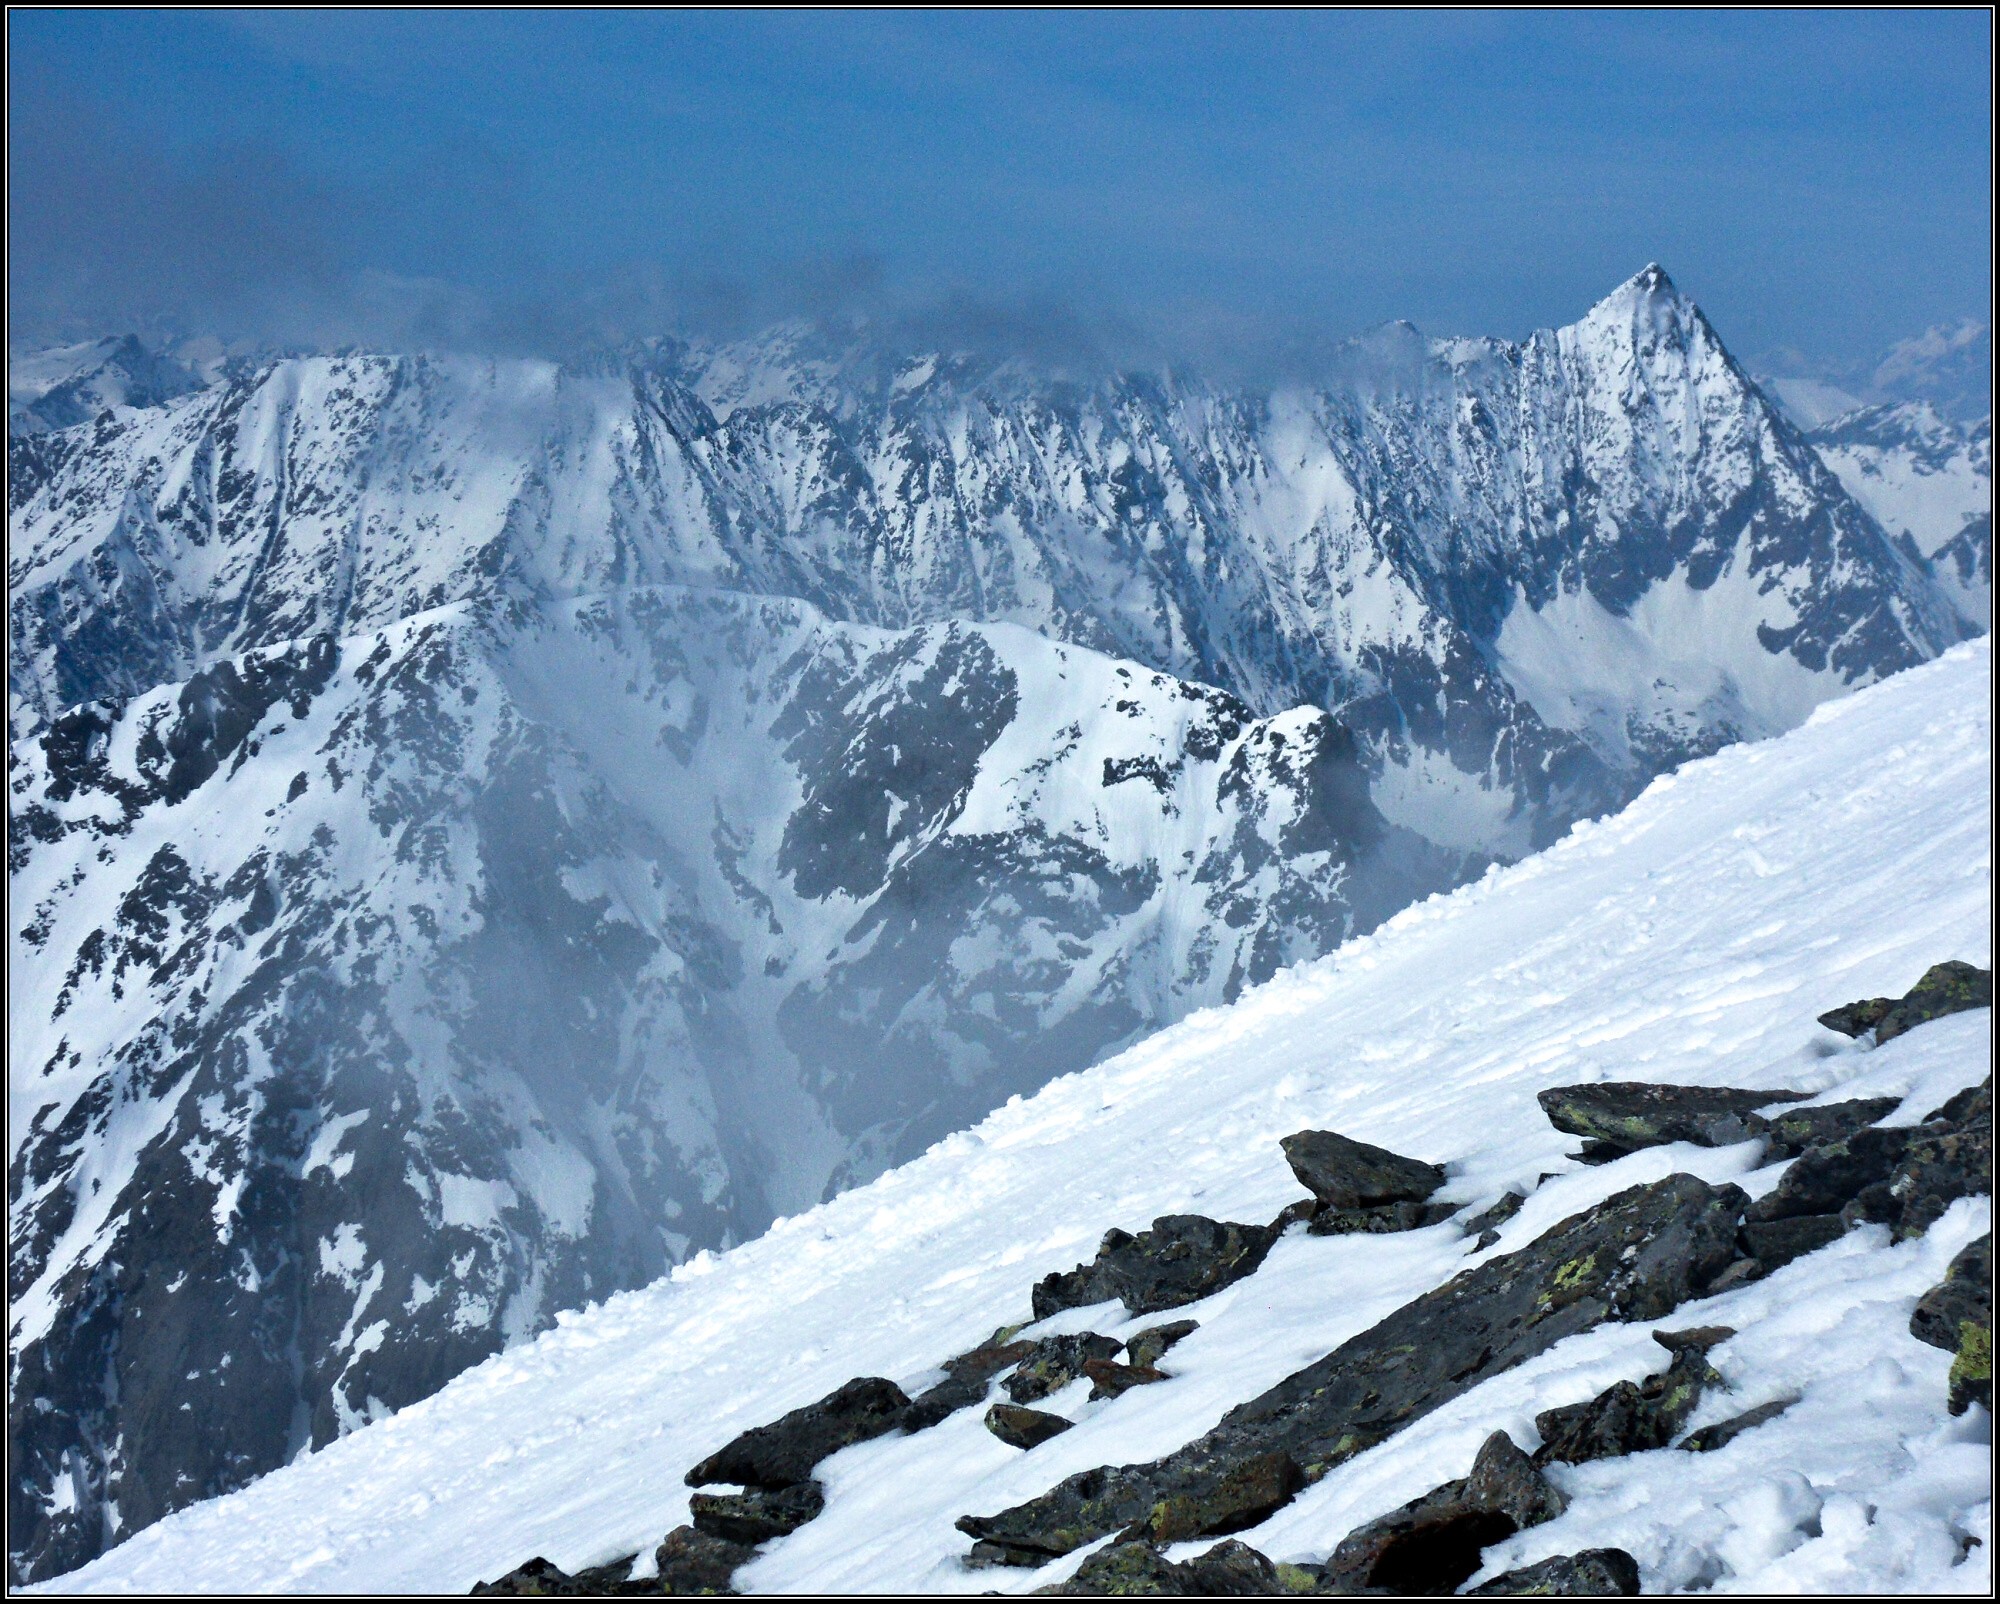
1692 941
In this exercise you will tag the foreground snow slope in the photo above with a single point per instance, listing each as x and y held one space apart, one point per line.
1691 939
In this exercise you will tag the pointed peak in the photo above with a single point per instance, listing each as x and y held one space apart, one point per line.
1651 279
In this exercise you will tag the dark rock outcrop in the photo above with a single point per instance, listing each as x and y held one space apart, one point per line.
1374 1221
1021 1427
1904 1177
540 1578
1635 1256
1485 1225
1345 1174
966 1380
1709 1438
783 1453
1182 1258
1957 1316
1593 1573
1620 1117
692 1563
1433 1543
1150 1346
1054 1362
757 1514
1108 1378
1228 1570
1947 988
1628 1417
1790 1133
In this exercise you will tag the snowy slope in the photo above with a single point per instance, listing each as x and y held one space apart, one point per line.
1691 939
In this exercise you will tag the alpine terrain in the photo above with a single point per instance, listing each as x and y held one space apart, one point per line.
487 832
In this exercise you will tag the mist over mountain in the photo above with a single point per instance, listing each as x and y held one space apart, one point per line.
486 828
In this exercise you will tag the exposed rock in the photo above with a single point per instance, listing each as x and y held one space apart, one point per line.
966 1380
1021 1427
1486 1224
1947 988
1054 1362
1236 1570
1128 1570
1433 1543
1593 1573
1149 1346
540 1578
783 1453
1345 1174
1723 1432
1182 1258
1386 1217
1901 1176
1773 1243
1957 1316
1790 1133
757 1514
1109 1379
1620 1117
1628 1418
1635 1256
692 1563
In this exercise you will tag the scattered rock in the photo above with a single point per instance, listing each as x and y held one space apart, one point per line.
1236 1570
1773 1243
1620 1117
693 1563
1182 1258
1387 1217
1788 1134
539 1578
1021 1427
1629 1418
1109 1379
1957 1316
1593 1573
783 1453
1128 1570
1635 1256
1054 1362
757 1514
1345 1174
966 1381
1433 1543
1946 988
1486 1224
1150 1346
1723 1432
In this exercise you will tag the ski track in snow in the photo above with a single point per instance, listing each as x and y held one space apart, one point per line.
1692 939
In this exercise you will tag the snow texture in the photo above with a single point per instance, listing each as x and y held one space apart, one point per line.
1693 938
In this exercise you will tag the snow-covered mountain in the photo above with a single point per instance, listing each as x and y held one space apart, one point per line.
483 830
1691 941
1929 483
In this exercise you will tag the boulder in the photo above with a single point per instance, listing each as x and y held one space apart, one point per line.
1384 1217
1236 1570
967 1378
1184 1257
1630 1418
1773 1243
1433 1543
1486 1224
1128 1570
1947 988
1593 1573
1150 1346
1635 1256
1020 1427
1790 1132
1709 1438
693 1563
783 1453
757 1514
1108 1378
1054 1362
1620 1117
1345 1174
541 1579
1957 1316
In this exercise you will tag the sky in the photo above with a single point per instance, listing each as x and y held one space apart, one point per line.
1819 181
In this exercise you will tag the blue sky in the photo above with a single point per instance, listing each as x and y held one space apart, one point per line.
1816 180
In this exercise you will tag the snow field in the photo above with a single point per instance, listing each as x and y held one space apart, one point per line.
1693 938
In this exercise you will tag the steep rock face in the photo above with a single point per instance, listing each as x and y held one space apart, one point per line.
1929 483
375 1000
1529 575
